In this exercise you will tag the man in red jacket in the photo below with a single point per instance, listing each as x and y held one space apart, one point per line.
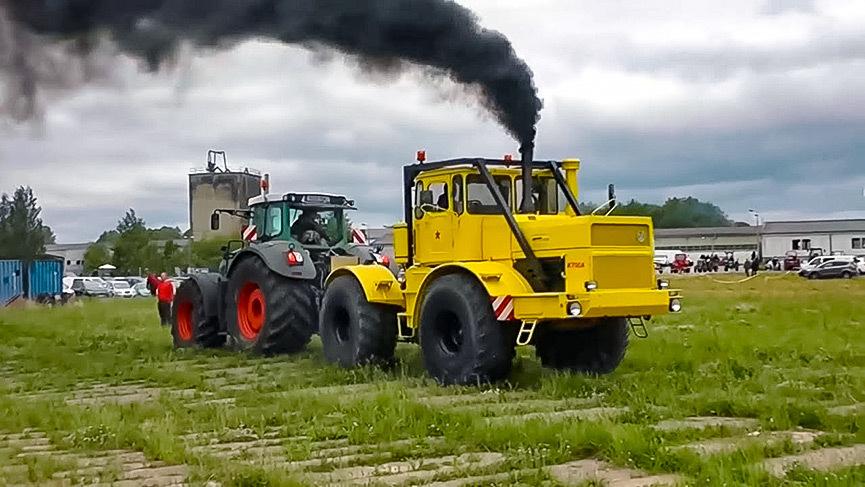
164 297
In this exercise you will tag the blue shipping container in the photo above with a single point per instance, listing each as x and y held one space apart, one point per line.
10 280
45 278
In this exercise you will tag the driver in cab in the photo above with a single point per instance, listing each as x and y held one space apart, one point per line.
308 230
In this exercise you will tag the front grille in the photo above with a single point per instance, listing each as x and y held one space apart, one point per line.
615 235
623 271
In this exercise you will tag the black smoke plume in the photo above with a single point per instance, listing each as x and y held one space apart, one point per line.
438 34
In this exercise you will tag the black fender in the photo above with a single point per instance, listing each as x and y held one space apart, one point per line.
209 285
273 256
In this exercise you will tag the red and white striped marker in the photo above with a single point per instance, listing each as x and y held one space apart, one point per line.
358 236
249 233
503 308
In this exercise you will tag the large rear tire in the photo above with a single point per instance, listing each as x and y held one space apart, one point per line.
353 331
461 341
596 350
190 324
268 314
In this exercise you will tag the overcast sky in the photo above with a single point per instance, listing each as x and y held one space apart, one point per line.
744 103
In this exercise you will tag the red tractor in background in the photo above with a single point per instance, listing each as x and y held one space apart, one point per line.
682 264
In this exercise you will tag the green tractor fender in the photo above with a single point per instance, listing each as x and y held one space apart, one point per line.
274 255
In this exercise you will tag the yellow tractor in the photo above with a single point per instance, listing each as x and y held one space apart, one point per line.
483 274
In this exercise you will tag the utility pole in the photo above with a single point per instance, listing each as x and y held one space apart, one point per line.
759 233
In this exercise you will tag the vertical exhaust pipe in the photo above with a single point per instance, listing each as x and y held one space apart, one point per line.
528 152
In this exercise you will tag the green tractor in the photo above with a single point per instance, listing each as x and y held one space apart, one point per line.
265 297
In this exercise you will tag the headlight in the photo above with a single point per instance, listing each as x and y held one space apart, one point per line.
591 285
575 309
663 284
675 305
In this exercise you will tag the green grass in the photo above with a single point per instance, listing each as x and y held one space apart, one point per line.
783 351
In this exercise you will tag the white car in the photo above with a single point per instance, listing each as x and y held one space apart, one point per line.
141 290
818 261
122 289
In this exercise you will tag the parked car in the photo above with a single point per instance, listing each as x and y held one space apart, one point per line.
133 280
121 289
817 261
88 287
831 269
141 290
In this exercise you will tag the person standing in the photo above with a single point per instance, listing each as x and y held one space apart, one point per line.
152 283
164 297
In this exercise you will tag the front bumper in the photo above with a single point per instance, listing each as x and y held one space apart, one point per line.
595 304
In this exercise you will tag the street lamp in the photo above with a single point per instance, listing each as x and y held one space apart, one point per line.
759 237
756 215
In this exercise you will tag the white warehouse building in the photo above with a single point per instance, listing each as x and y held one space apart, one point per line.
817 236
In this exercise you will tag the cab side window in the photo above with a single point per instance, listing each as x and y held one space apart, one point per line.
440 198
273 221
480 198
457 190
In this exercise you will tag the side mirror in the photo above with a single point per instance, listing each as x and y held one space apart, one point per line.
611 194
426 198
214 221
418 213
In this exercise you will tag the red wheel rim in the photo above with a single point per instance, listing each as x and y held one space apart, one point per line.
250 310
184 320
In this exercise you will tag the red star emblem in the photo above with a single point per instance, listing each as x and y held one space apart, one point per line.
438 235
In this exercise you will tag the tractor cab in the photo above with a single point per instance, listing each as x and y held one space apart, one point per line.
314 220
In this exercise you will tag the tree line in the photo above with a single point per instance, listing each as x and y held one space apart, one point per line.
133 249
674 213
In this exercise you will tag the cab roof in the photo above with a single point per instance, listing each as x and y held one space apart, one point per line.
496 166
306 200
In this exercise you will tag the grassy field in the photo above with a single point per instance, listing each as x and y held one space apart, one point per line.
761 383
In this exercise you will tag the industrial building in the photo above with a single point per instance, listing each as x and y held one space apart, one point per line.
772 239
820 236
709 240
72 256
211 190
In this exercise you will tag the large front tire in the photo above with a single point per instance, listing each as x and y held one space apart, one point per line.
461 341
353 331
596 350
268 314
190 324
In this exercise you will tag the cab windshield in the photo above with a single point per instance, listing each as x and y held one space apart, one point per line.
316 227
547 195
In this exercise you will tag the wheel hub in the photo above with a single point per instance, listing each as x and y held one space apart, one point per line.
342 325
450 331
251 310
184 321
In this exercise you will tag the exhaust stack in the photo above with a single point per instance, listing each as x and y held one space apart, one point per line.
528 204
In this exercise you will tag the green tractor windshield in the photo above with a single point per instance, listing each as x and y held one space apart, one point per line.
311 224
